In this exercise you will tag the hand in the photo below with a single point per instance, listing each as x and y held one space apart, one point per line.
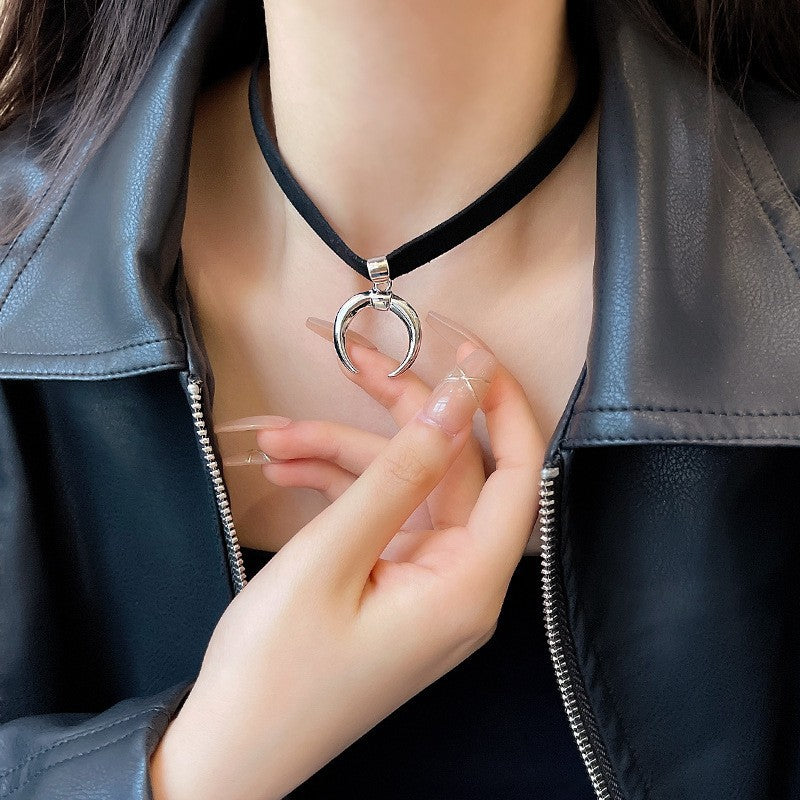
327 456
330 637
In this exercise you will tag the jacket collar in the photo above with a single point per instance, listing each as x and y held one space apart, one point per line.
696 319
87 291
696 324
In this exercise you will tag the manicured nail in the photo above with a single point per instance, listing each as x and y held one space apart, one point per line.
270 421
324 329
452 332
455 400
254 456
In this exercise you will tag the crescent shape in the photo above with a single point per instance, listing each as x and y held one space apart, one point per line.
399 307
403 309
344 316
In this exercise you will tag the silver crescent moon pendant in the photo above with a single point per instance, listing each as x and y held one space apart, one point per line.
380 296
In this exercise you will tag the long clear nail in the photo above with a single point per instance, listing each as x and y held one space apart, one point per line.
458 396
324 329
453 332
270 421
254 456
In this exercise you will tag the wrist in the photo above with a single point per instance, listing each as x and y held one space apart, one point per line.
206 753
170 776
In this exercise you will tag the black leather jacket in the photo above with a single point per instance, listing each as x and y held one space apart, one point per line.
671 489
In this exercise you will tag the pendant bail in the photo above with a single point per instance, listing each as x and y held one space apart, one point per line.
378 269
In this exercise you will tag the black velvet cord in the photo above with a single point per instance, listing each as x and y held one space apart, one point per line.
490 206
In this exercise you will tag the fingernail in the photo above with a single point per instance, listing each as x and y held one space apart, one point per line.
452 332
324 329
270 421
254 456
454 401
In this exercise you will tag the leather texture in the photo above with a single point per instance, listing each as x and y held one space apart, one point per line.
677 510
697 271
112 578
680 564
83 756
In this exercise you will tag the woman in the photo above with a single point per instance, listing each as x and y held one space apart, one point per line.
628 328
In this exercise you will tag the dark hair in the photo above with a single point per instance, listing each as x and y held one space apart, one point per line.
92 54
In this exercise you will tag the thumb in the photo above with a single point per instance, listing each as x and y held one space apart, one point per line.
351 533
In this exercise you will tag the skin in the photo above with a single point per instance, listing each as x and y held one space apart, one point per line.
324 641
453 118
350 619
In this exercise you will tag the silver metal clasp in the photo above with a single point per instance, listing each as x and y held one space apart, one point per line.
381 294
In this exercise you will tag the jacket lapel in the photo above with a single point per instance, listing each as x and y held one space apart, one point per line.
696 319
86 292
696 326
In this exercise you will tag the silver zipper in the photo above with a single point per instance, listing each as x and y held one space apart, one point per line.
232 547
562 649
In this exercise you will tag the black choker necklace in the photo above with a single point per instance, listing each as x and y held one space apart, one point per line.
487 208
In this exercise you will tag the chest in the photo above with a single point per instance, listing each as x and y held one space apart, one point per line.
534 314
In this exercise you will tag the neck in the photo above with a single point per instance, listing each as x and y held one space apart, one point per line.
394 116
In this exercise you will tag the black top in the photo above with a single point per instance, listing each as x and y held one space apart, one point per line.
493 728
